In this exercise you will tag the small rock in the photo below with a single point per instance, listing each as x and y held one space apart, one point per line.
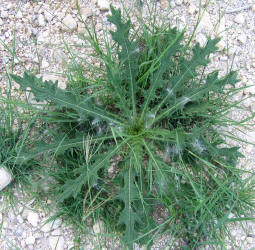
103 4
45 64
201 39
251 136
178 2
164 4
205 25
251 90
111 169
48 16
1 22
56 243
41 20
52 225
20 219
56 232
5 178
242 38
30 240
33 218
69 23
86 12
221 26
98 227
221 45
19 14
4 14
81 29
239 18
192 9
250 240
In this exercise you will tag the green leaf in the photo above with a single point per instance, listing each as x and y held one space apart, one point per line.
127 54
48 91
129 195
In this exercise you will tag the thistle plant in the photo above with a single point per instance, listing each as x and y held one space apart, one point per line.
153 117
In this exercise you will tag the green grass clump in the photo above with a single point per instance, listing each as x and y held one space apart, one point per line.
143 135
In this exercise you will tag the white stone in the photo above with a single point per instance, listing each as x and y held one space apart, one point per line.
251 89
56 232
48 16
56 243
45 64
201 39
4 14
30 240
41 20
98 227
5 178
251 136
111 170
221 26
19 14
178 2
192 9
54 78
250 240
205 24
103 4
52 225
81 28
221 45
33 218
86 12
69 23
20 219
242 38
1 22
239 18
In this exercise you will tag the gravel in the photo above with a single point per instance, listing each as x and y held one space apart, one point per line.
43 23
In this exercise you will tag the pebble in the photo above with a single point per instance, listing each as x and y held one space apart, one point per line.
30 240
201 39
69 23
1 22
48 16
86 12
41 20
103 4
192 9
242 38
4 14
251 136
221 26
20 219
45 64
98 227
178 2
33 218
81 29
164 4
205 25
19 14
239 18
52 225
221 45
5 178
56 243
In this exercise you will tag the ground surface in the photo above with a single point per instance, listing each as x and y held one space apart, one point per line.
41 27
